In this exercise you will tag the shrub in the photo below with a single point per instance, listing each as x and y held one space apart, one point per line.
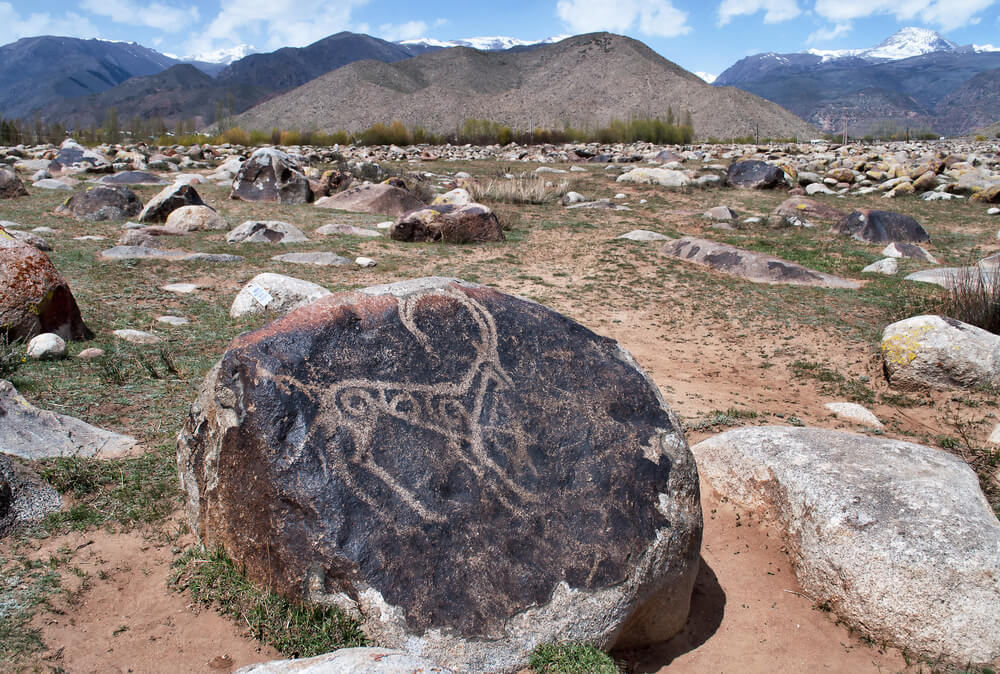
522 190
235 136
975 298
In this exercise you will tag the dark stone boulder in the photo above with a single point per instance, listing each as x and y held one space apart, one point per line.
381 199
882 227
754 174
11 186
33 297
447 223
168 200
271 175
461 469
105 202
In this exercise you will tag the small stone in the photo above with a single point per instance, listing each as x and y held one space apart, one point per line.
181 288
89 237
644 235
173 320
572 198
349 230
319 259
91 353
993 211
620 196
887 266
365 262
855 413
46 346
384 225
137 337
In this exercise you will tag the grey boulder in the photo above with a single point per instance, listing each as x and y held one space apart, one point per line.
168 200
271 175
275 294
872 226
941 353
266 231
350 661
754 174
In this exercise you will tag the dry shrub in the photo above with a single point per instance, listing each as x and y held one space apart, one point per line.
520 190
975 298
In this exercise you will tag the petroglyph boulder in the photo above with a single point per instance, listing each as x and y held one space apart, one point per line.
381 198
470 473
882 227
756 175
271 175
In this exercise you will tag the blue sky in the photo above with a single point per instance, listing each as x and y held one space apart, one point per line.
699 36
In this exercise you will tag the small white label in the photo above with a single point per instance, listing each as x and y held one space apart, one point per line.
259 294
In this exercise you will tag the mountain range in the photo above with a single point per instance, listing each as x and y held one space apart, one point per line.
914 79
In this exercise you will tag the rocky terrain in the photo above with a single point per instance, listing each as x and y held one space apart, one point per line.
708 406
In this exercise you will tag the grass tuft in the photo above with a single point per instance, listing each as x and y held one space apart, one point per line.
296 630
571 657
519 190
975 298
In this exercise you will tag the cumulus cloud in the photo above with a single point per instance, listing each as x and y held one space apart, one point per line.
276 23
775 11
944 14
825 34
168 18
410 30
650 17
14 25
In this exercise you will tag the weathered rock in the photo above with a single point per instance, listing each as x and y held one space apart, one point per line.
990 195
11 186
472 223
753 174
365 262
841 175
173 320
940 352
280 295
31 433
600 205
350 230
457 197
51 184
808 212
887 266
271 175
88 354
319 259
656 176
926 182
132 178
131 252
720 214
756 267
136 238
24 498
46 346
266 231
855 413
910 250
75 157
896 538
168 200
138 337
31 239
383 199
103 203
33 297
395 424
182 288
351 661
571 198
644 235
874 226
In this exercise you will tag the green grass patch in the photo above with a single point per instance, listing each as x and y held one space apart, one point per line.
295 629
834 383
571 657
24 585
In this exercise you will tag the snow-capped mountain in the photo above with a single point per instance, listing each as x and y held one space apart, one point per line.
904 44
223 56
708 77
496 43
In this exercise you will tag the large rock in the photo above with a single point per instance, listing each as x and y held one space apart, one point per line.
196 218
808 212
756 267
896 538
24 498
271 175
882 227
656 176
168 200
266 231
381 198
471 223
11 186
32 433
33 297
470 473
753 174
940 352
132 178
103 203
350 661
75 157
280 295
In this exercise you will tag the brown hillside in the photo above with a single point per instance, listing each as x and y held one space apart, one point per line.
585 80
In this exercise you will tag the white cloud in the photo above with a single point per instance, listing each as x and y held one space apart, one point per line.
775 11
168 18
650 17
825 34
944 14
410 30
272 24
14 26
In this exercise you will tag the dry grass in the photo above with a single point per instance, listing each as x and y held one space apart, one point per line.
975 298
518 190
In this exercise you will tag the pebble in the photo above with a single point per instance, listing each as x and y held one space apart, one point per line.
855 413
365 262
88 354
182 288
137 336
173 320
89 237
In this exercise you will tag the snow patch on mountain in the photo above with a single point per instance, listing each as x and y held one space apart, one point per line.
905 43
224 56
708 77
495 43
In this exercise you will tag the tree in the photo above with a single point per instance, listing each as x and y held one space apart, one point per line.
111 131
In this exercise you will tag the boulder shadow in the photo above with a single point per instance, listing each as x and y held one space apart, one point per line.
708 606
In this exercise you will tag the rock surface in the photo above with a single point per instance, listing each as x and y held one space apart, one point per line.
656 176
281 295
472 223
271 175
910 250
895 537
168 200
882 227
887 266
382 199
808 212
24 498
11 186
350 230
33 297
196 218
351 661
756 267
46 346
643 235
317 258
103 203
855 413
754 174
266 231
940 352
436 434
32 433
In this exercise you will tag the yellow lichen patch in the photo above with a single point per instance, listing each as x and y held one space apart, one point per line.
902 349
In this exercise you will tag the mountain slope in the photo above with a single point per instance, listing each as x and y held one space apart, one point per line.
973 105
36 71
585 80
